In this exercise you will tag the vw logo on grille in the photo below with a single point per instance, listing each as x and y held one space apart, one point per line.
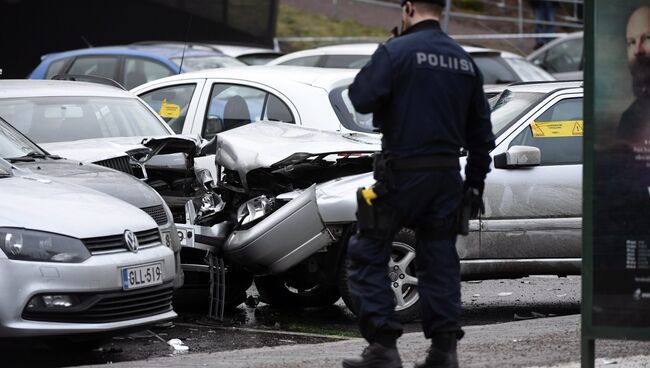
131 241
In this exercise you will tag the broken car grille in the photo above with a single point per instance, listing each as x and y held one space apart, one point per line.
113 243
157 213
112 306
122 164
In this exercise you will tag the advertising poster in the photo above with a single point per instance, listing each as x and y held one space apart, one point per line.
621 181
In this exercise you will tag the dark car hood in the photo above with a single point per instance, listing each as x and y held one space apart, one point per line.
108 181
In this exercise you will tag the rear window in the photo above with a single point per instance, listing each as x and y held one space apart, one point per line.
346 61
55 68
494 68
190 64
346 113
527 71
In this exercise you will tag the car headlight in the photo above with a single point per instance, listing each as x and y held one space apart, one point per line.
254 209
29 245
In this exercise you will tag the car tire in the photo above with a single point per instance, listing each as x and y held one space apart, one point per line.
403 246
279 292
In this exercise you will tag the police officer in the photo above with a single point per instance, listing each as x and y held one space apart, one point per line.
427 97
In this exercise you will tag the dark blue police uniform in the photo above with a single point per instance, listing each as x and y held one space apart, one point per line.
427 97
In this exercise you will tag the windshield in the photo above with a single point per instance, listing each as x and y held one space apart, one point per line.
346 113
509 106
12 144
528 72
62 119
191 64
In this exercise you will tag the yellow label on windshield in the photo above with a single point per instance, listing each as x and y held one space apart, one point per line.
169 110
556 129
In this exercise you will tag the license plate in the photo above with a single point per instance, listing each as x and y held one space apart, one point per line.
167 238
182 235
142 276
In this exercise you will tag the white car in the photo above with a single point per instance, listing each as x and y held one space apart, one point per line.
563 57
208 102
77 261
498 67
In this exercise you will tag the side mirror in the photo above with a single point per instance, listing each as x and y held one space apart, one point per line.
212 126
518 156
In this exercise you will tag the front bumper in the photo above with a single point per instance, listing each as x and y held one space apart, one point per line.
98 277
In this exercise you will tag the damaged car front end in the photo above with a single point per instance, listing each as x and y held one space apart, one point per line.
283 239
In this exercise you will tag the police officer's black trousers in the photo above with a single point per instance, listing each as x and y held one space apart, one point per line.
427 202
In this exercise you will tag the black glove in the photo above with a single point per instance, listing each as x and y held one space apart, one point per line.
473 196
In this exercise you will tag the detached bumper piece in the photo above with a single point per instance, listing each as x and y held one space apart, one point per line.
283 239
107 307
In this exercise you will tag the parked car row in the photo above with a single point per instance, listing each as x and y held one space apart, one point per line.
136 64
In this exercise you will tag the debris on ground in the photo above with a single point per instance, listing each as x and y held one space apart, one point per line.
532 315
508 293
178 346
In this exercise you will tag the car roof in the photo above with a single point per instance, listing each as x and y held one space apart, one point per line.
160 51
369 49
543 87
237 50
17 88
325 78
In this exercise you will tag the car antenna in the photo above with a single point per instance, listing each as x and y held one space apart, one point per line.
187 40
85 40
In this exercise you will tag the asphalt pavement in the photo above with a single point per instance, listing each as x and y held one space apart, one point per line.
261 326
541 342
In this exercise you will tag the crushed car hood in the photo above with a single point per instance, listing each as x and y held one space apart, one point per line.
267 143
111 182
94 150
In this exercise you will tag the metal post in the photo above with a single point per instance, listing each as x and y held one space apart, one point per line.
520 15
335 8
588 352
445 24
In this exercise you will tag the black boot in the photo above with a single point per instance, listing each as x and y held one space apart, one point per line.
442 353
375 356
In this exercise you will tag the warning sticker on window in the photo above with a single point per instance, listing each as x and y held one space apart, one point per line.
169 110
557 129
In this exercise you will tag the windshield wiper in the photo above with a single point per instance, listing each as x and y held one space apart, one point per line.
32 156
43 155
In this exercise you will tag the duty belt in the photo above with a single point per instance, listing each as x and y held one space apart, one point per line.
424 163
